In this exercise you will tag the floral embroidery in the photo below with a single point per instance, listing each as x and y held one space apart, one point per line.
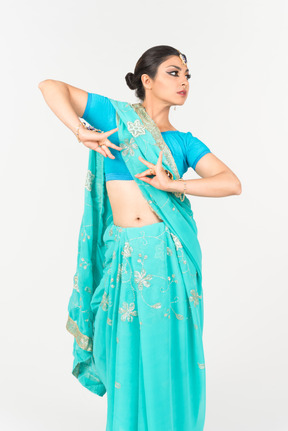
89 180
137 281
84 263
177 241
84 234
195 297
117 385
136 128
127 250
201 366
127 311
121 269
159 252
105 301
75 282
88 289
142 279
169 251
129 147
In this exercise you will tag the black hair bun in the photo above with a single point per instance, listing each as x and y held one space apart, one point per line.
130 80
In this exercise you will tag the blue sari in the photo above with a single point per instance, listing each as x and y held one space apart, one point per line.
142 345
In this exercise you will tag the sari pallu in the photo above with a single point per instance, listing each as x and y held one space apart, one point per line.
138 135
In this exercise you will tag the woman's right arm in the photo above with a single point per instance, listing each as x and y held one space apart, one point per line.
68 103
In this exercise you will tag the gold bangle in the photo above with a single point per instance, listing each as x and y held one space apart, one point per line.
77 130
88 128
185 189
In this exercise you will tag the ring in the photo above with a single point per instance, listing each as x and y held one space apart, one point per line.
152 172
170 175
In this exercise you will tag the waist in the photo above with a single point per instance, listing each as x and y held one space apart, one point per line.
128 205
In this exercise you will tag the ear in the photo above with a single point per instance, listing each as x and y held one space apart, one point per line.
146 81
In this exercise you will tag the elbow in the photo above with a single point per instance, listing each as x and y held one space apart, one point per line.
235 184
42 83
238 188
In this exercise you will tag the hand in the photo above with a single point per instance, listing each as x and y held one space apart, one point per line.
161 180
92 139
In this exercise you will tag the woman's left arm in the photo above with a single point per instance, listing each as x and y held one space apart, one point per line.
217 179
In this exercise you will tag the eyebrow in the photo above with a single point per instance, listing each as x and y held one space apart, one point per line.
179 68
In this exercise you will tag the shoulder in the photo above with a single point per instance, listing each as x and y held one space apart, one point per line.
194 149
100 111
96 100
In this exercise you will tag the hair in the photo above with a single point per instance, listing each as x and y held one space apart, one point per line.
148 63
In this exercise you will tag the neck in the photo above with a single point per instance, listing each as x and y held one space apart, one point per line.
159 114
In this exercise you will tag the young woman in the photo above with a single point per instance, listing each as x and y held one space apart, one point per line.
136 309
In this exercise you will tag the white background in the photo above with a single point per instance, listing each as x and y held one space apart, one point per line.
237 105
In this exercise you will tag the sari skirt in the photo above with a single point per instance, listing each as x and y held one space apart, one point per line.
147 342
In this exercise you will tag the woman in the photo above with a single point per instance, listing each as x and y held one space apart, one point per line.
136 310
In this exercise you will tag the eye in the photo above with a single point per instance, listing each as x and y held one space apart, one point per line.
176 71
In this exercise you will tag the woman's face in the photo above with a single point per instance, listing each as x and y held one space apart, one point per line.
171 78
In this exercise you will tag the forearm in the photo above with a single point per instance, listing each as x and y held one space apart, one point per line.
57 97
222 184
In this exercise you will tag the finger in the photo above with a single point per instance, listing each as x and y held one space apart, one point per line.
144 173
100 150
109 132
145 179
149 164
96 147
108 152
110 144
115 146
159 161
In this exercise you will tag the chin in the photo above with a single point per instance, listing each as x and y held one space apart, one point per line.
180 103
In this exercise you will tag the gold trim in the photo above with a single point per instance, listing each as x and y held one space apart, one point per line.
152 127
86 343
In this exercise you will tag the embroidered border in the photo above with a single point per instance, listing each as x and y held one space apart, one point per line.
151 126
86 343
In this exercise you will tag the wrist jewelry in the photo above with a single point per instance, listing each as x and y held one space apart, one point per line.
86 127
77 131
185 188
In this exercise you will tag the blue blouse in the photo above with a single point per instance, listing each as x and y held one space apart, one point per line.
186 149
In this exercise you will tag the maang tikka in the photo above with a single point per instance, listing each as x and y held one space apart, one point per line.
183 58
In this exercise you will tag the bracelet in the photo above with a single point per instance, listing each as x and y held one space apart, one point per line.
77 131
86 127
185 188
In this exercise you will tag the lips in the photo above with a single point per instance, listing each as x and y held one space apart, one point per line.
183 92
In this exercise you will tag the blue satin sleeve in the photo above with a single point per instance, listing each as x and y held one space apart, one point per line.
99 112
195 150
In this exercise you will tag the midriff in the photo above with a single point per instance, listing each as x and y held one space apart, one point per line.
129 207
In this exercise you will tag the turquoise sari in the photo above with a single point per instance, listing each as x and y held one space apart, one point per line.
139 136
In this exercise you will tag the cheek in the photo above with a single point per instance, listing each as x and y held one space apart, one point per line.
165 85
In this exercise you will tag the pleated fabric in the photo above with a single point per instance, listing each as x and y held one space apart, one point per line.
147 343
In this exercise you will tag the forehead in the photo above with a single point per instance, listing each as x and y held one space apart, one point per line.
174 60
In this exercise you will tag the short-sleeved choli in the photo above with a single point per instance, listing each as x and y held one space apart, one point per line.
186 149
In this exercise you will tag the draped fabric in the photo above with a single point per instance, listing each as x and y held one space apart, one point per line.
139 136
